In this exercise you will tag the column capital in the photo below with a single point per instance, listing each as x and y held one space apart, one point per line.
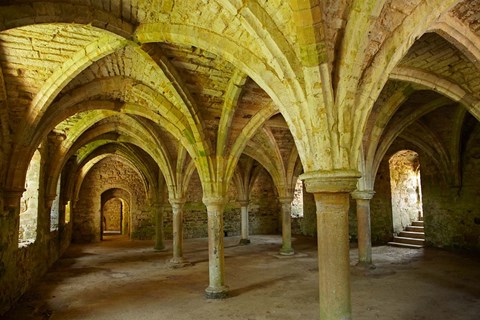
177 201
214 200
243 203
330 181
285 200
362 194
56 137
11 197
49 200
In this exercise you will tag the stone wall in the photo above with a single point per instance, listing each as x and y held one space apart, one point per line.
111 173
21 266
382 216
451 213
404 182
112 214
263 210
55 211
29 202
381 206
307 225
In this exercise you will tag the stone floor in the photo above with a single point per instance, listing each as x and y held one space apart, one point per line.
122 279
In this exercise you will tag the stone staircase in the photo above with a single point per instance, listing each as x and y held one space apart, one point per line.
412 237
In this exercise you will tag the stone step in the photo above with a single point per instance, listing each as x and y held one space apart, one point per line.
415 241
415 228
405 245
417 223
412 234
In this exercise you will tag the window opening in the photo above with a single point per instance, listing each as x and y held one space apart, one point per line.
54 213
297 203
29 203
67 212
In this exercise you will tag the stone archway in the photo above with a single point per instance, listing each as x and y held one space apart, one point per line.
406 189
115 212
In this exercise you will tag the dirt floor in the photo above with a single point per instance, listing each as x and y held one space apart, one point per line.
121 279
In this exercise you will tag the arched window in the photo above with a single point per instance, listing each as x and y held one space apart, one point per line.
406 189
29 203
54 213
297 203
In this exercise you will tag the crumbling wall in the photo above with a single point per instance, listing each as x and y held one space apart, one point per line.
21 266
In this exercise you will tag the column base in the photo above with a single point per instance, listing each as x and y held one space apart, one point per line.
244 241
365 265
216 293
177 263
163 248
287 252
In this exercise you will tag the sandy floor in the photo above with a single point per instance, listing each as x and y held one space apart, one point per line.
120 279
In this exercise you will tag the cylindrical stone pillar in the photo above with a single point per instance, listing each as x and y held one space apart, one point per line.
364 228
178 260
286 211
159 235
244 212
216 262
332 192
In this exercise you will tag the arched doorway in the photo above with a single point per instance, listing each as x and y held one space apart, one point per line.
113 216
407 208
115 213
406 189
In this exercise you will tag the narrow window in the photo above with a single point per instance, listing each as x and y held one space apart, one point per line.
67 212
55 209
29 203
297 203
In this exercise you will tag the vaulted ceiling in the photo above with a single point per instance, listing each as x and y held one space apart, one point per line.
176 85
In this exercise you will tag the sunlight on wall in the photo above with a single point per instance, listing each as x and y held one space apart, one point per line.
67 212
406 189
29 203
54 213
297 203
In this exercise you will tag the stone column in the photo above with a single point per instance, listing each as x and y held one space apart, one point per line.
286 211
159 236
332 192
364 230
216 262
178 261
244 210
